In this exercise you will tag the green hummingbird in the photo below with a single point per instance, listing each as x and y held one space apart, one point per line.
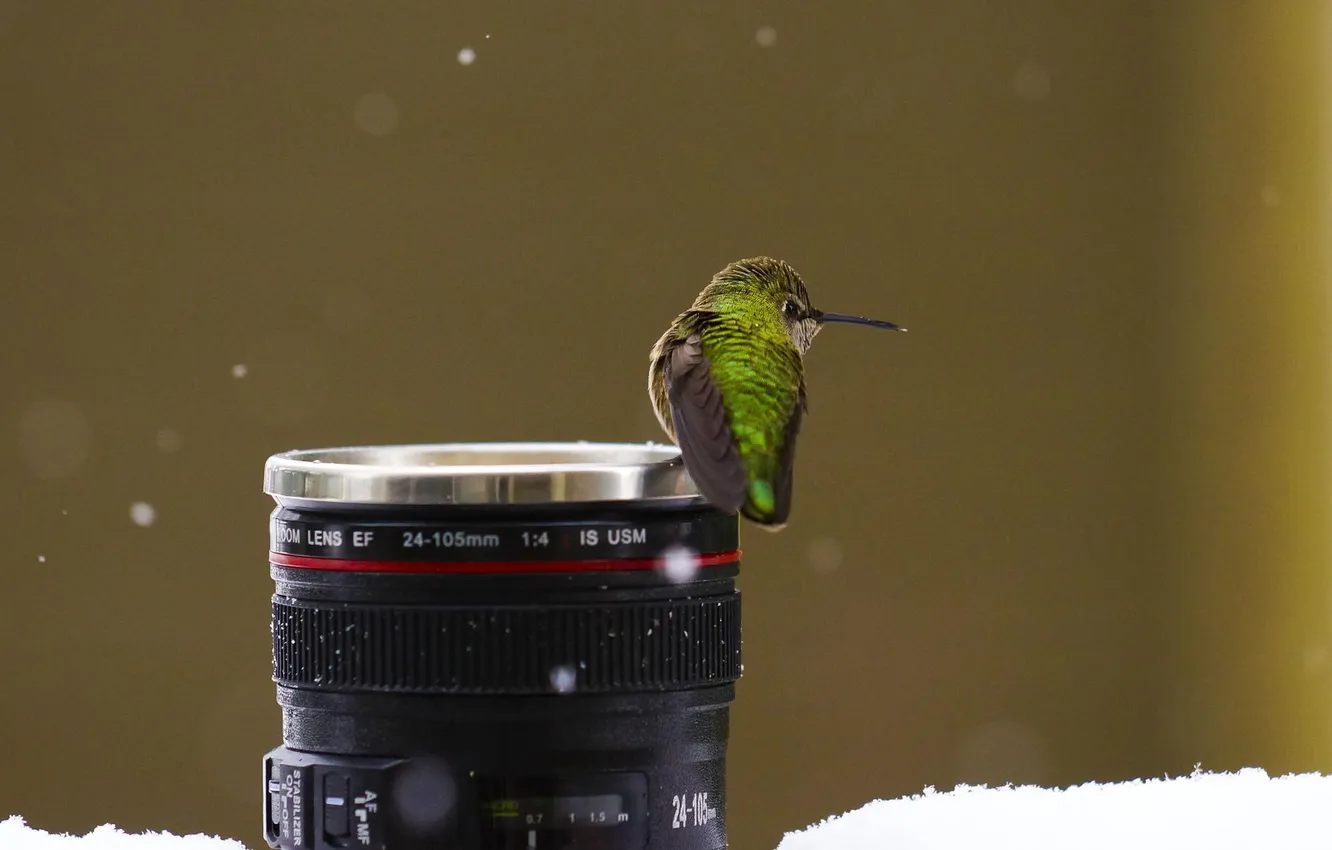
727 384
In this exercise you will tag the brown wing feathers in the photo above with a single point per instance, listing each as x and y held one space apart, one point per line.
701 429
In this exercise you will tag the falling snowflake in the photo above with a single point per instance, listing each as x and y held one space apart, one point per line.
169 439
143 514
55 436
467 56
679 564
376 114
562 679
424 795
825 555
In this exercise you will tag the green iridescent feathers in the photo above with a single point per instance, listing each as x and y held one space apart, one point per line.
727 383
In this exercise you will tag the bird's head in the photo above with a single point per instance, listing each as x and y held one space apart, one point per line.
776 289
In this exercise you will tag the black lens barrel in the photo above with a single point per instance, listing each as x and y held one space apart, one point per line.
515 675
613 617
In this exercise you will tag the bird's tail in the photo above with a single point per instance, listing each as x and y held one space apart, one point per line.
762 507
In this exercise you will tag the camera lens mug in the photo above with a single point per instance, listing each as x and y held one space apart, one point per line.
508 646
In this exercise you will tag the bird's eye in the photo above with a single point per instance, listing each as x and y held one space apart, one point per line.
791 308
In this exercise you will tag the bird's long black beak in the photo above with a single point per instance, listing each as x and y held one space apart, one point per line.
843 318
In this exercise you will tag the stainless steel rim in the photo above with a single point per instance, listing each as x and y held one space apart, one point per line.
479 474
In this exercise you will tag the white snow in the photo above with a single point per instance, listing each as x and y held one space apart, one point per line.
16 835
1217 811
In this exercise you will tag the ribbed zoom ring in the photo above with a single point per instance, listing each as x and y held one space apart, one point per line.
626 647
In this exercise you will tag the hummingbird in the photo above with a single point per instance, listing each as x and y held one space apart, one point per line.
727 384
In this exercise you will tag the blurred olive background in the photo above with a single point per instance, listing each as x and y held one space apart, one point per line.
1072 527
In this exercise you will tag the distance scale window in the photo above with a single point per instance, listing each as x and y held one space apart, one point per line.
606 810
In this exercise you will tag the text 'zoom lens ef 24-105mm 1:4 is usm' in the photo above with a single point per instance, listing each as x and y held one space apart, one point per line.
510 646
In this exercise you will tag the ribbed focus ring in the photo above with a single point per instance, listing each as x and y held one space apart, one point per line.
626 647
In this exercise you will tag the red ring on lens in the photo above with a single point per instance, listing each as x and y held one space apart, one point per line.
302 562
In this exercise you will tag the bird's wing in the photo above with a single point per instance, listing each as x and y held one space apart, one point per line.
701 428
